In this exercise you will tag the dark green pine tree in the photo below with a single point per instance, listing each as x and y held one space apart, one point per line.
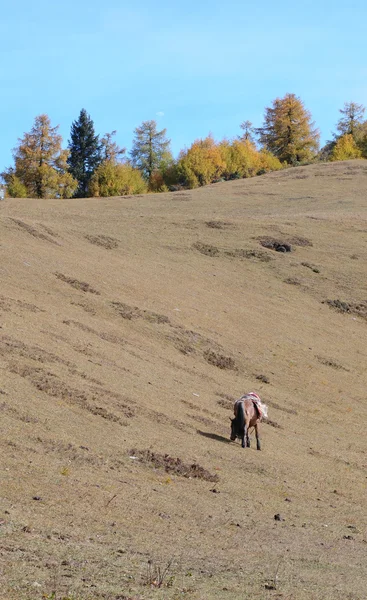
85 152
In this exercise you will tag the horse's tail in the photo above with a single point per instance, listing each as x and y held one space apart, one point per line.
241 415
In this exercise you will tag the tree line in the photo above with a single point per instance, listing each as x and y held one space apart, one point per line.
95 165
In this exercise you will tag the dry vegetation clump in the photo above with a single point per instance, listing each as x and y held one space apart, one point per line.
78 285
219 360
206 249
356 308
134 312
104 241
33 231
248 253
277 245
309 266
284 245
173 465
331 363
217 224
292 281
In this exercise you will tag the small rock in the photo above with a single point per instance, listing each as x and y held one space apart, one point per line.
348 537
278 517
36 498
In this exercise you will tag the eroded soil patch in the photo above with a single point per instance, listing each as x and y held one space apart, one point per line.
104 241
78 285
173 465
356 308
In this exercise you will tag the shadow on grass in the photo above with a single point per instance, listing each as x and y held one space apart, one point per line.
214 436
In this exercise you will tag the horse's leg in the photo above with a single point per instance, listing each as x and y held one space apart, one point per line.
246 440
258 445
244 434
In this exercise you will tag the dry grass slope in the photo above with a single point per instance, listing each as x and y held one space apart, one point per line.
128 327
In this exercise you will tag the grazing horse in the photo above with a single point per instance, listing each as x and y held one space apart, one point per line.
249 411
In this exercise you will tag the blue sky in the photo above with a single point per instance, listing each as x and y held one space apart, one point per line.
195 67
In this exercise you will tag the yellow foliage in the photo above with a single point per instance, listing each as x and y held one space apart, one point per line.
345 148
241 159
40 162
269 162
110 179
201 164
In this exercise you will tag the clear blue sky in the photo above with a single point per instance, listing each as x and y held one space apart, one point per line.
195 67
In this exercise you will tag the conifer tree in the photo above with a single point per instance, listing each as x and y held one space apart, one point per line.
85 152
288 132
40 169
248 132
150 148
345 148
352 119
110 150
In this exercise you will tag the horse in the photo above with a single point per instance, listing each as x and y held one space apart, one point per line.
248 411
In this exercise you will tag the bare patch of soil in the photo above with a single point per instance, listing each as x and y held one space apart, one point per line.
220 360
206 249
331 363
173 465
133 312
78 285
309 266
33 231
275 244
104 241
356 308
218 224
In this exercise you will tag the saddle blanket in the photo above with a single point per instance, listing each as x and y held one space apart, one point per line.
261 407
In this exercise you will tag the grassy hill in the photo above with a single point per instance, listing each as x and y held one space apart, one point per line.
128 327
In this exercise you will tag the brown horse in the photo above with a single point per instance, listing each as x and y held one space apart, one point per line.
248 411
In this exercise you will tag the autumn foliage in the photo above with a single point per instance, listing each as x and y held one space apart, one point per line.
98 166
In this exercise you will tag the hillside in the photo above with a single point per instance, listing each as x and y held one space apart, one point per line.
128 328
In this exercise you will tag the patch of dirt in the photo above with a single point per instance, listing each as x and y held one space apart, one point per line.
309 266
220 360
218 224
8 304
133 312
292 281
249 254
206 249
356 308
275 244
104 241
33 231
331 363
103 335
52 385
173 465
78 285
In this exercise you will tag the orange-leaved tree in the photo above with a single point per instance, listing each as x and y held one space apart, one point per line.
40 165
288 131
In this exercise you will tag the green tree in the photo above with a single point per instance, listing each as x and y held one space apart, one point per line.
150 149
40 164
85 152
116 179
288 131
352 119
